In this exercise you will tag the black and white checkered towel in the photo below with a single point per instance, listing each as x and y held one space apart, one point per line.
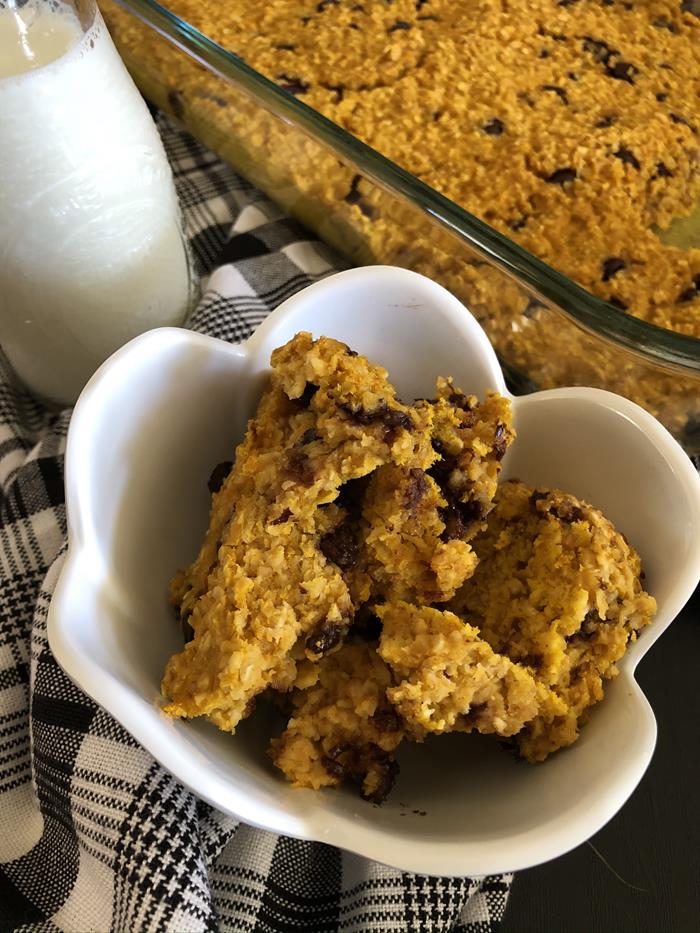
94 834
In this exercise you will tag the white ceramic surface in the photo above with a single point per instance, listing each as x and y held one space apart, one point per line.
145 435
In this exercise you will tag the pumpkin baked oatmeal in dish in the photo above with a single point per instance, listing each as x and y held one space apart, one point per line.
570 127
363 567
558 590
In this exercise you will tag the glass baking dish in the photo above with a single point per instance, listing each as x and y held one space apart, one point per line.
547 330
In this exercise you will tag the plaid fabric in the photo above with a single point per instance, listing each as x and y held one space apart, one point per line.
94 834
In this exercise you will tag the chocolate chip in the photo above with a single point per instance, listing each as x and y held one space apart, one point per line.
400 24
337 751
500 445
559 91
499 449
356 761
389 769
629 158
333 767
536 497
339 90
532 307
310 389
295 86
662 171
386 719
662 23
421 3
618 303
320 7
299 468
340 546
518 223
622 71
612 266
282 517
566 512
458 517
600 50
681 121
543 53
562 176
460 400
455 527
355 197
606 121
324 637
690 294
285 47
177 103
661 96
494 127
218 475
416 488
390 418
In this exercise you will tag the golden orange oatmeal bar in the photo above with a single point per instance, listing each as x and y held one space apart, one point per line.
416 524
261 581
448 679
558 590
343 727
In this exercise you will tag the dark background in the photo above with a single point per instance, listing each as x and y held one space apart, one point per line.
652 846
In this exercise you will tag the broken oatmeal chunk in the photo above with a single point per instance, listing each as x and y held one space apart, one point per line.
343 727
448 679
559 591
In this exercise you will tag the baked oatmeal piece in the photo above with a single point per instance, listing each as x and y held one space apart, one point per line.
558 590
417 524
270 572
448 679
343 727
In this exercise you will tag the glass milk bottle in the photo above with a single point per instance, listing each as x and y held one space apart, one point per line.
91 246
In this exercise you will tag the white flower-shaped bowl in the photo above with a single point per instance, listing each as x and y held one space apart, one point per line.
168 406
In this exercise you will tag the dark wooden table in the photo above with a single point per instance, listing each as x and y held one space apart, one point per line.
651 882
